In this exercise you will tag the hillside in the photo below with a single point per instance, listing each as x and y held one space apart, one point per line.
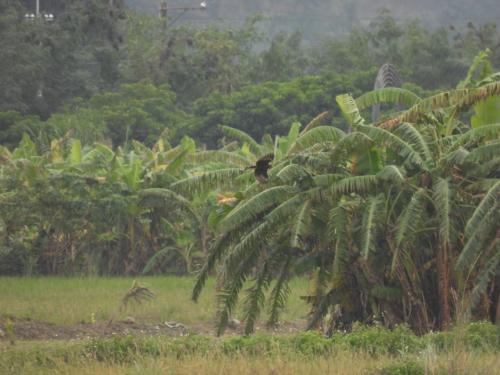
316 17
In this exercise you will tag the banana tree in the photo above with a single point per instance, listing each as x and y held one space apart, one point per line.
91 209
379 214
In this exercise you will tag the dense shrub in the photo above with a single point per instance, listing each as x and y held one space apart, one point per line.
378 340
311 343
482 336
14 261
259 344
189 345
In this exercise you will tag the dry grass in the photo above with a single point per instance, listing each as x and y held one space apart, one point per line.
462 363
229 366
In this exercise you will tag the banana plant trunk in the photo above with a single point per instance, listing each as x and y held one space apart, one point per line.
497 311
413 291
444 287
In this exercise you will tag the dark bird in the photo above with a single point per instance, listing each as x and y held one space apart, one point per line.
261 166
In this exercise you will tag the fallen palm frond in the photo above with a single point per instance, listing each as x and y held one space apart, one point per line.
137 294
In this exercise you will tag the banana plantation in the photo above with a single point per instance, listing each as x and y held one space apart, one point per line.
393 220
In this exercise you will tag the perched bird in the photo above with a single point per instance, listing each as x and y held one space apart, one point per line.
261 166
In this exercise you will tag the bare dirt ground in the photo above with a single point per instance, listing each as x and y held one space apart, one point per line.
24 329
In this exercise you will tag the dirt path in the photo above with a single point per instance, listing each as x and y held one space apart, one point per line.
24 329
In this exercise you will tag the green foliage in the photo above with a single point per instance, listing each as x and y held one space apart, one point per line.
372 340
96 47
194 62
138 111
104 205
477 336
393 95
362 233
377 340
312 344
47 63
487 112
12 126
271 107
121 349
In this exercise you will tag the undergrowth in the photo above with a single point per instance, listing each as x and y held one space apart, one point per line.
410 352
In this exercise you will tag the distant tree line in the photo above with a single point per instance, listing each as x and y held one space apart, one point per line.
98 59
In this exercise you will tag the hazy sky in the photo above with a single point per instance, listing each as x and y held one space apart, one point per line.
331 16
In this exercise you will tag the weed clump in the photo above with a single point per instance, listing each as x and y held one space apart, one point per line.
409 367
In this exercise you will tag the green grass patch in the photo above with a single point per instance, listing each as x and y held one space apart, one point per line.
67 301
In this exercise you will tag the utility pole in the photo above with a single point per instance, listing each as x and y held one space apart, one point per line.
49 17
164 9
163 14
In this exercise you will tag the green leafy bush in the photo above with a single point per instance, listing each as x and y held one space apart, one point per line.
121 348
378 340
311 343
482 336
260 344
188 345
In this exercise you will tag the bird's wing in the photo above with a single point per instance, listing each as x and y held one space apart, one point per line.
261 167
264 161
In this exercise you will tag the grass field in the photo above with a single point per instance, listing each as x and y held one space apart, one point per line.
68 301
